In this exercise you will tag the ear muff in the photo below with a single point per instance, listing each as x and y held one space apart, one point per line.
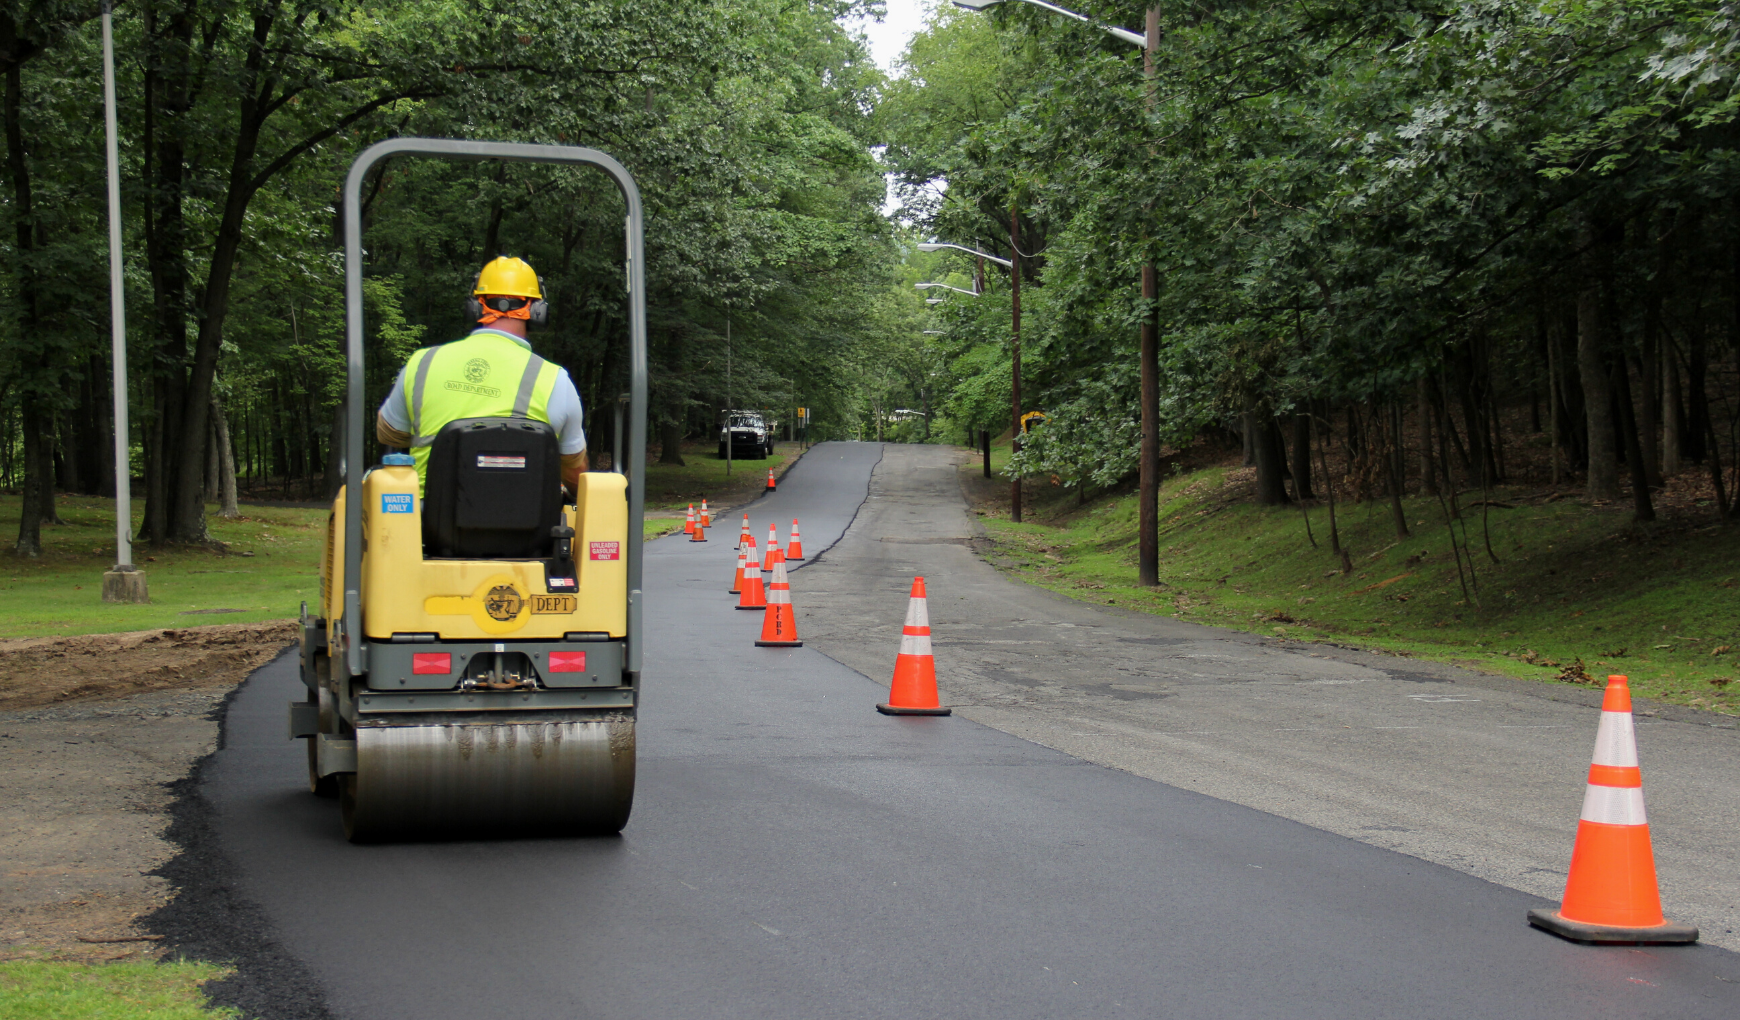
540 307
473 309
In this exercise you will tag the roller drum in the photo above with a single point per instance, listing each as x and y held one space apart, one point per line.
490 774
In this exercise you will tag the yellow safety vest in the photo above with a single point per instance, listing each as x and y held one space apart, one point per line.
485 375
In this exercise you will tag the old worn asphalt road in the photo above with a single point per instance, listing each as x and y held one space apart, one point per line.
794 854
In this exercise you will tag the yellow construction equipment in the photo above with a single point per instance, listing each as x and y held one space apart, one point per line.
474 663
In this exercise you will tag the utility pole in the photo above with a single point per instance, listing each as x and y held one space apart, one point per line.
728 433
1015 343
1148 514
125 583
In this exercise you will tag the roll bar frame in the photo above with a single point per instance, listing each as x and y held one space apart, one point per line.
350 634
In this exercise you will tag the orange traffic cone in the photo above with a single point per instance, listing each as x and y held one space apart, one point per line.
737 581
779 626
706 517
770 483
1611 894
794 549
914 689
689 525
699 534
753 596
772 548
743 538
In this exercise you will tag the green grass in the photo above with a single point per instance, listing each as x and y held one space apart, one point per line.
61 592
702 475
43 990
1573 583
653 527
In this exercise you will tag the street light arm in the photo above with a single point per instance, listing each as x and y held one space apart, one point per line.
1125 34
939 245
957 290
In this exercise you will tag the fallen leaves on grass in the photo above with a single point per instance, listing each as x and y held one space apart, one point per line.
1721 649
1721 681
1576 674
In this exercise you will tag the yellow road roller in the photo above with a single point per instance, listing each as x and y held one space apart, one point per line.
474 662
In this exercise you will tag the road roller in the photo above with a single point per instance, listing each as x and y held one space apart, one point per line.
473 666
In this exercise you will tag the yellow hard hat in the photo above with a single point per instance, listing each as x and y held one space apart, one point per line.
508 277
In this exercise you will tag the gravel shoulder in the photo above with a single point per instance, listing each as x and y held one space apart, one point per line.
94 731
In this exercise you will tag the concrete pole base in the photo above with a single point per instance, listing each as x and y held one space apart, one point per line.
125 586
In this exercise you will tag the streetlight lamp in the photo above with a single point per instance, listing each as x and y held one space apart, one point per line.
944 286
940 245
980 6
1148 526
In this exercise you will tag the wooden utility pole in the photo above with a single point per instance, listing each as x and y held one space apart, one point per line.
1148 515
1015 342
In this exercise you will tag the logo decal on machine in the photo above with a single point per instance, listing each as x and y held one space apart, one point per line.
503 602
500 460
398 503
606 550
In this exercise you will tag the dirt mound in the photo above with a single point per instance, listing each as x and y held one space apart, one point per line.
51 671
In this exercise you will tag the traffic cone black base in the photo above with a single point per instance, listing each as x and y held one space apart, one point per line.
1579 931
891 710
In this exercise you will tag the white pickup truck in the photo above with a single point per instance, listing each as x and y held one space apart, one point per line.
750 435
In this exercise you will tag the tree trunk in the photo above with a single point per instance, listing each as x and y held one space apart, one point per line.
226 464
1649 381
30 519
335 453
1302 457
34 409
1428 467
169 89
1642 508
1673 417
671 443
1396 463
1271 455
1592 363
1246 433
1699 427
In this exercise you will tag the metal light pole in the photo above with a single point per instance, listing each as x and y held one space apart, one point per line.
1015 337
124 583
1148 516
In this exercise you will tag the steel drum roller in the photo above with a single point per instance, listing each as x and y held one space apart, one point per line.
484 775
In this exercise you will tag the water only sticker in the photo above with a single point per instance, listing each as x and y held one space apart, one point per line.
398 503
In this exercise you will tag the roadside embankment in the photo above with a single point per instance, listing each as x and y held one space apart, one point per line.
1529 582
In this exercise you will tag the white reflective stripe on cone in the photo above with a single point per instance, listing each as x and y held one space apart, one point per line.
1614 805
916 613
1616 740
915 644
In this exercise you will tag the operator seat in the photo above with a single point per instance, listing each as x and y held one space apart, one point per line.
492 490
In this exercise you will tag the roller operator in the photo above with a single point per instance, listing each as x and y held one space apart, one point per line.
490 373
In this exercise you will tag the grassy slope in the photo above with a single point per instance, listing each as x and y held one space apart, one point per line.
139 990
61 593
1573 582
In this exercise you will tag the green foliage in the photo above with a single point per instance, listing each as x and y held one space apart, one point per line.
1340 197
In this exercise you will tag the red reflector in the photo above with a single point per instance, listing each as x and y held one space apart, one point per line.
432 662
567 662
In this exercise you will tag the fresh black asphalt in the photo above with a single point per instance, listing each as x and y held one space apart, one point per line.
794 854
